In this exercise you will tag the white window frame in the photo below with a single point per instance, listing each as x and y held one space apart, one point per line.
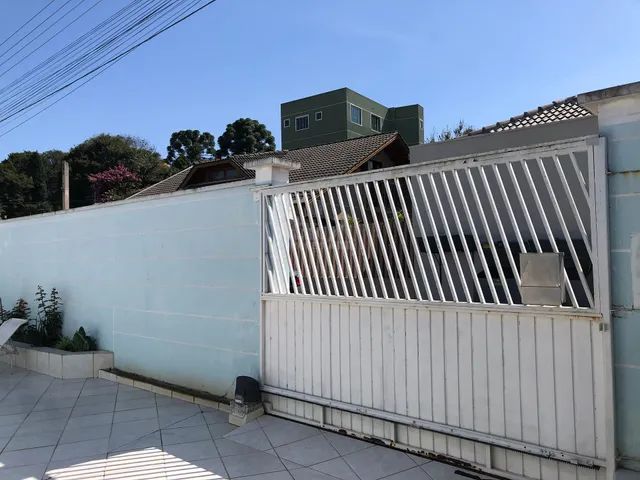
351 105
316 116
380 122
286 123
296 123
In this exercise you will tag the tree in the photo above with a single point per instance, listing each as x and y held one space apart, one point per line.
103 152
187 147
116 183
446 133
245 135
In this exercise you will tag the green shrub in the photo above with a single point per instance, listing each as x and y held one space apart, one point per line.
80 342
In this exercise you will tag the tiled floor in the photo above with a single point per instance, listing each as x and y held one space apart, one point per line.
96 429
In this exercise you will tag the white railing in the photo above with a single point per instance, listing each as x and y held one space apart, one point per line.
445 232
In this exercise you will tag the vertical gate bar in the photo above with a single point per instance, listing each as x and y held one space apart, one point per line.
595 153
512 216
376 263
345 253
285 242
380 238
392 245
581 181
333 243
412 235
474 234
487 230
305 261
436 274
574 207
525 209
547 227
403 242
324 244
305 231
351 243
275 252
290 232
436 235
565 231
463 242
503 235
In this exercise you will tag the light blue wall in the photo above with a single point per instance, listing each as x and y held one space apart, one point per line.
623 141
170 285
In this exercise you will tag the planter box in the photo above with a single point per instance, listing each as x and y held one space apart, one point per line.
58 363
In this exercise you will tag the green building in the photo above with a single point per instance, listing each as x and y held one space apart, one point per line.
344 114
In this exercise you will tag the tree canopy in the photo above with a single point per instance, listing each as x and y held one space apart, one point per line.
245 135
446 133
187 147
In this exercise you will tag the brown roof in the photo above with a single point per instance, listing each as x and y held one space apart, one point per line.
566 109
319 161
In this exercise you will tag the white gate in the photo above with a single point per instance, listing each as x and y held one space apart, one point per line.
392 309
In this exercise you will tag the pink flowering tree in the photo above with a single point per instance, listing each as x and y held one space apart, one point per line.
113 184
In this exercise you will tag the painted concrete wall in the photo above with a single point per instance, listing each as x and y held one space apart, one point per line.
170 285
620 123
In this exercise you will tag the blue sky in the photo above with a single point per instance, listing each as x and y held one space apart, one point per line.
481 61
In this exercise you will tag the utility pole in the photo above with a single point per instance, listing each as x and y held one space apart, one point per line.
65 185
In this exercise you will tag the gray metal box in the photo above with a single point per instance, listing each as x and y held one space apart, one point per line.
542 278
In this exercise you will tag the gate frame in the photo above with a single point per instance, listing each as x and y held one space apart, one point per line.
602 300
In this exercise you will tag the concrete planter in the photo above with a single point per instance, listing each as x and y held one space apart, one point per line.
59 363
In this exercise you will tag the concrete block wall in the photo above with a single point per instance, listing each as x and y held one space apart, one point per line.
620 124
169 284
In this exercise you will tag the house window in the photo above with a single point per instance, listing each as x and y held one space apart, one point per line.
302 123
356 115
286 123
376 123
318 116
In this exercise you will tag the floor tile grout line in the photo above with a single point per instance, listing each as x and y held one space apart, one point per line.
30 411
45 476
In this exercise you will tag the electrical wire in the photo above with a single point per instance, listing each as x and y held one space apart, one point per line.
26 23
98 70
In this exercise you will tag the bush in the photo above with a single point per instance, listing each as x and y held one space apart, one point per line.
80 342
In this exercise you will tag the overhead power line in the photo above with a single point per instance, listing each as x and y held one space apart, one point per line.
91 55
26 23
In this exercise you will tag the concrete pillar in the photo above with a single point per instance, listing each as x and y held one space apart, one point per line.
271 170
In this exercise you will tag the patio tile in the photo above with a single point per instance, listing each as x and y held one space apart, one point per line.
193 451
137 414
336 468
32 441
141 464
172 436
192 421
134 394
252 464
85 410
284 475
345 444
309 474
215 416
441 471
35 417
73 435
96 399
283 432
81 449
309 451
151 440
3 442
220 430
32 456
377 462
28 472
51 403
88 468
254 439
135 403
179 469
249 427
418 459
415 473
123 433
227 448
91 420
15 419
8 430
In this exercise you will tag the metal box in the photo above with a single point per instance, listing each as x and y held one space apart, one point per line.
542 279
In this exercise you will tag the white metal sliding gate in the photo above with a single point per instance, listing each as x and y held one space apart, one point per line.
392 309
